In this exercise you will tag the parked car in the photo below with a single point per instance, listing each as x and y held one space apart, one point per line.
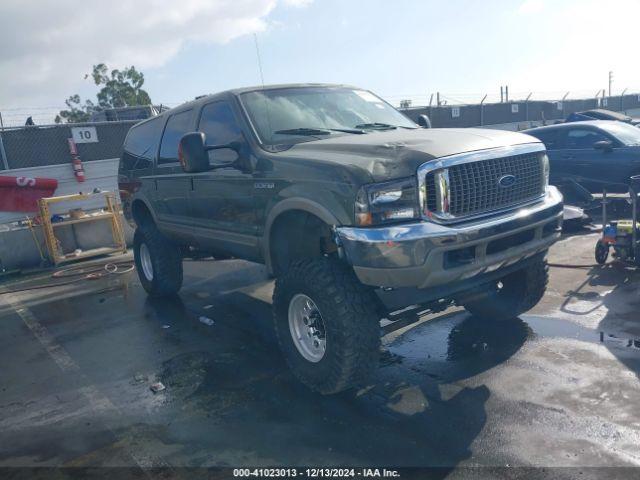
358 213
602 114
596 154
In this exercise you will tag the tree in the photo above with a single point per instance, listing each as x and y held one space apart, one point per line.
77 112
119 88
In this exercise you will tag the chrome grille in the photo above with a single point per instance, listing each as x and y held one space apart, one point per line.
474 189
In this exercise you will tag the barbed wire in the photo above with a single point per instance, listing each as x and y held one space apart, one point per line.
45 115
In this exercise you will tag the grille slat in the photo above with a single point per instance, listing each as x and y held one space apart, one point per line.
474 187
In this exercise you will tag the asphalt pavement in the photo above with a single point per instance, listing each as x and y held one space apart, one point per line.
557 388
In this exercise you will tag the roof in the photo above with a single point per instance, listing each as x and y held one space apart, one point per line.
238 91
557 126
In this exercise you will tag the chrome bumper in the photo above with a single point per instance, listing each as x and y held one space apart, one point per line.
425 254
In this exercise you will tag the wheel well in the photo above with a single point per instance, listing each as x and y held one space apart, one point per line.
141 213
297 235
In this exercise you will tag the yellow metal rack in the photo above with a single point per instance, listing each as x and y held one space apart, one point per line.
110 211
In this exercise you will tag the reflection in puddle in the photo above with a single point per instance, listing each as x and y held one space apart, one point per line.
622 342
556 327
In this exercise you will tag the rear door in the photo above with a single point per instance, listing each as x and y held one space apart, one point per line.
173 186
137 163
222 200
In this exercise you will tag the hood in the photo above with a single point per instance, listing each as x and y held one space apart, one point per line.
398 153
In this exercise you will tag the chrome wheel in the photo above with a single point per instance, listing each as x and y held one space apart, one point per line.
307 328
145 261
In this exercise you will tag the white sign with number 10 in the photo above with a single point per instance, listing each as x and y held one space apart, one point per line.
84 134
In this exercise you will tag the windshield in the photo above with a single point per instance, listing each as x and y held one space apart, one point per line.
292 115
627 134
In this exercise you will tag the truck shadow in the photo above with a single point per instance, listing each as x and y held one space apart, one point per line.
618 327
412 413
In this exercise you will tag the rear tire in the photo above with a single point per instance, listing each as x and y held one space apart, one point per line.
158 261
341 317
602 252
513 294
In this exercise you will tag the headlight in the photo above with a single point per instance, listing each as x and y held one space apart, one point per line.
387 202
545 169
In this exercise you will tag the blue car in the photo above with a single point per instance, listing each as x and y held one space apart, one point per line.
596 154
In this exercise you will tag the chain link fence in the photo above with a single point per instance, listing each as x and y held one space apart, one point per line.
47 145
475 115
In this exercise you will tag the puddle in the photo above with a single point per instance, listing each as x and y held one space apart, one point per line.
555 327
463 339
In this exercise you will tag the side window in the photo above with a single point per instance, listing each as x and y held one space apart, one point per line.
218 123
177 126
582 138
550 139
141 144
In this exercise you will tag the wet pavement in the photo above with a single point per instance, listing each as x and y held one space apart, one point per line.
557 387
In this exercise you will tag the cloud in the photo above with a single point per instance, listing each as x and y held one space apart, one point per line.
49 46
298 3
576 47
531 6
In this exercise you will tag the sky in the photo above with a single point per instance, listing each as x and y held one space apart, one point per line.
396 48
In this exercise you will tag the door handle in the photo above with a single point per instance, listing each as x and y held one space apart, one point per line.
567 157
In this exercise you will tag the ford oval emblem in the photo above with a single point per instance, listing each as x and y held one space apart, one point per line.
506 181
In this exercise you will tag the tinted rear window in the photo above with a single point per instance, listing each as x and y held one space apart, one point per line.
177 126
141 144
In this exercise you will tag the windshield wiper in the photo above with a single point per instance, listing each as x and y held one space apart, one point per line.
303 131
377 125
316 131
382 126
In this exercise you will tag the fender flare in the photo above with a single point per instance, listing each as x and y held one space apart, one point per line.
142 199
288 205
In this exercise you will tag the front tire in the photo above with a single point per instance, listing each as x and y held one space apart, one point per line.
513 294
326 324
158 261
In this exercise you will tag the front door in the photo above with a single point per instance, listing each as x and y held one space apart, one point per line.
222 199
590 165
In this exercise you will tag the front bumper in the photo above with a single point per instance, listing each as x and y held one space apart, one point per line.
424 254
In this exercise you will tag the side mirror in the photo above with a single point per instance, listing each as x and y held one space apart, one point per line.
192 153
604 145
424 121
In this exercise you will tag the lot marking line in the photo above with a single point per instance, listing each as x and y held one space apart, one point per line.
97 401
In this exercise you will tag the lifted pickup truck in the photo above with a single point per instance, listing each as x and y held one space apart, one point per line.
360 214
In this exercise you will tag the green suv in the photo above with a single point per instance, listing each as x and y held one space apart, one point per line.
364 218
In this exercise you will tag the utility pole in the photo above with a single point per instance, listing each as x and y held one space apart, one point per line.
501 94
622 99
482 109
610 81
438 98
506 93
526 107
